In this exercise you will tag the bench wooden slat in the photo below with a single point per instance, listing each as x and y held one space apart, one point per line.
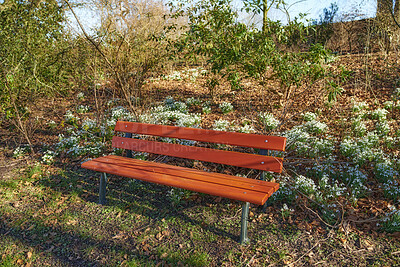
123 169
225 177
203 135
215 178
252 161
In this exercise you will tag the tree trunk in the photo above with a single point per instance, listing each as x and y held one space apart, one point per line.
396 10
265 16
384 7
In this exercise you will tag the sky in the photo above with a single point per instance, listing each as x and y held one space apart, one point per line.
314 8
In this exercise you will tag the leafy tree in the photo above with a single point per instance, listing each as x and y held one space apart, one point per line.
234 51
29 56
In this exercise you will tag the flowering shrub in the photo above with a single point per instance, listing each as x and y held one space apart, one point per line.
226 107
269 121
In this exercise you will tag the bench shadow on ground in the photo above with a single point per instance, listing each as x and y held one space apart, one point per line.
66 248
119 193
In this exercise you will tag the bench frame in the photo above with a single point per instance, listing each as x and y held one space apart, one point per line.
121 126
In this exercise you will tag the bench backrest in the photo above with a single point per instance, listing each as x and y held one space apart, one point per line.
246 160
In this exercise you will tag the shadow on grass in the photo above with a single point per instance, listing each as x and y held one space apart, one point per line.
67 248
70 246
136 196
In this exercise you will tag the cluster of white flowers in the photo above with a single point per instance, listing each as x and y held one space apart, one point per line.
391 189
226 107
388 104
285 208
359 127
316 127
70 118
300 140
330 188
221 125
309 116
361 150
382 127
21 151
268 120
52 124
48 157
191 74
353 178
285 211
379 114
358 106
396 94
121 113
305 185
174 112
68 142
80 96
245 129
391 221
206 109
384 171
88 124
348 175
191 101
82 109
93 149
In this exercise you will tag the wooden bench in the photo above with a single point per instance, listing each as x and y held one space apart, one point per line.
217 184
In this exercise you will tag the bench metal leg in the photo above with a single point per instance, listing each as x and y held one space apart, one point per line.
243 231
102 191
128 152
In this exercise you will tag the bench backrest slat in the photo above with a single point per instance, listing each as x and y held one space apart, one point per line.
203 135
253 161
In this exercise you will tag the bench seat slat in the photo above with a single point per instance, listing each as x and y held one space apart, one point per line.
210 177
204 135
114 165
252 161
225 177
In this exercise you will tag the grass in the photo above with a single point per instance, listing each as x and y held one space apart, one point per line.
62 226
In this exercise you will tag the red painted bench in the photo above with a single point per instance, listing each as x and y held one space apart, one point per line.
223 185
